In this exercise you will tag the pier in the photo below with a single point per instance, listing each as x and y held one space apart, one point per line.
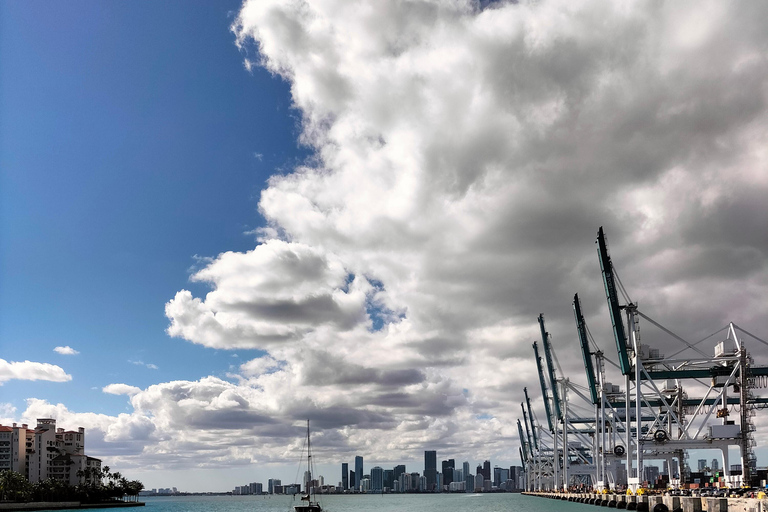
660 503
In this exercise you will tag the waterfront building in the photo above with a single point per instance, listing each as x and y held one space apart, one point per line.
448 466
414 483
465 468
500 475
430 468
45 452
423 484
399 470
358 471
272 484
469 483
650 474
377 479
517 476
487 470
352 481
388 479
365 484
344 476
479 479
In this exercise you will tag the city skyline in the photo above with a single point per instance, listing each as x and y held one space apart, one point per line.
219 220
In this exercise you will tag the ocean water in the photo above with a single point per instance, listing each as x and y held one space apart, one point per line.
505 502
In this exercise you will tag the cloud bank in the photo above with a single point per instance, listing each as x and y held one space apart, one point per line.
464 159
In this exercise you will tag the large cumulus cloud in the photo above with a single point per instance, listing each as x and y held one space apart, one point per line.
464 159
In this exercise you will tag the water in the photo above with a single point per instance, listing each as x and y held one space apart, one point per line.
504 502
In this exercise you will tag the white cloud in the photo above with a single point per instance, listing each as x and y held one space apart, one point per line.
29 370
121 389
67 351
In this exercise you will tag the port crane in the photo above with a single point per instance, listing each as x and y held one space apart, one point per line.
653 417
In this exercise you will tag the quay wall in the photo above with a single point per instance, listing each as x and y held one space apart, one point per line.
657 503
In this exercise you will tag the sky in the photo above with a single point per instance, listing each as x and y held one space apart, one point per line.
219 219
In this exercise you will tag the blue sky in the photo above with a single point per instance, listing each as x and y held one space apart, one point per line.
132 140
242 216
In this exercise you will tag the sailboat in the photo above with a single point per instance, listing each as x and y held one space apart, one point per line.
310 505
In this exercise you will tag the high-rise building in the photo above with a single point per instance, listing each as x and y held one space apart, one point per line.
352 479
517 476
479 478
344 476
273 484
702 464
45 452
389 478
377 479
415 481
500 475
430 468
469 483
448 466
465 467
650 473
358 471
487 470
715 465
399 470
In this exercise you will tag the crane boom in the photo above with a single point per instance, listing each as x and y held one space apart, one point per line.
551 368
544 393
581 327
609 281
522 439
530 415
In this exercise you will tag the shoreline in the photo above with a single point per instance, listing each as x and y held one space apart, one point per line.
65 505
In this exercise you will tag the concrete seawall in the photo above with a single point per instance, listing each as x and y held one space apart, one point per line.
656 503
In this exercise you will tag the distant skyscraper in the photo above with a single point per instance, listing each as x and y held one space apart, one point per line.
479 478
500 475
344 476
518 478
465 467
702 464
389 478
448 466
430 468
399 470
487 470
358 471
377 479
351 478
715 465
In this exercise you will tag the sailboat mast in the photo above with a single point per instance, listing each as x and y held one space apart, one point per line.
309 460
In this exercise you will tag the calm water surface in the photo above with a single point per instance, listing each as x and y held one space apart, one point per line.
364 503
